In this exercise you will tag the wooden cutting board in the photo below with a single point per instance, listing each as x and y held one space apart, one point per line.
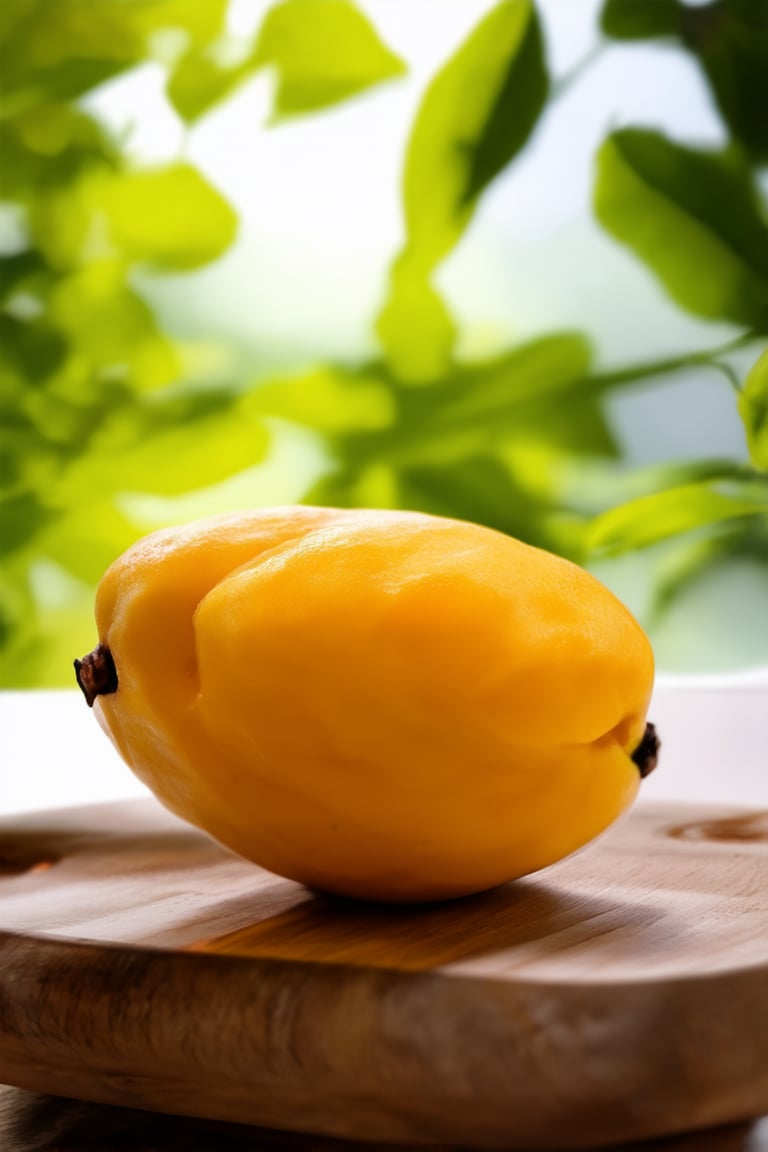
619 995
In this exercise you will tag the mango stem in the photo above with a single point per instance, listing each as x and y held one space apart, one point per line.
96 674
646 754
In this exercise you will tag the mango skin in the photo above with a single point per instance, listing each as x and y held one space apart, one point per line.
383 705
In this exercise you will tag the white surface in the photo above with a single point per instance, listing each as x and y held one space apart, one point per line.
53 754
714 733
714 739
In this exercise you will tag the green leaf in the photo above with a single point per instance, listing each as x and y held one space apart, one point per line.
200 80
479 489
329 400
538 393
49 147
32 349
566 425
730 41
166 445
599 486
753 409
527 411
109 326
693 217
12 15
199 20
170 218
640 19
22 516
373 486
61 81
20 655
514 114
728 38
415 326
87 537
24 452
16 268
662 515
498 465
476 116
323 51
57 52
540 369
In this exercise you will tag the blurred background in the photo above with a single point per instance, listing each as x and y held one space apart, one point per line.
502 261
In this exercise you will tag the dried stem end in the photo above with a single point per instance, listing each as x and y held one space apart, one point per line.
646 754
96 674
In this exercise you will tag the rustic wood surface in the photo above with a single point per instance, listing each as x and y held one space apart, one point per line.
618 996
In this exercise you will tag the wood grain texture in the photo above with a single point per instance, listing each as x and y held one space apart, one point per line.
618 996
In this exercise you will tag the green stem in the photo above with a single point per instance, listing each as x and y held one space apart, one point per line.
730 374
568 79
709 358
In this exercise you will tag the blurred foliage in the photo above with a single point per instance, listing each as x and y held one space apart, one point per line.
674 511
323 51
683 211
753 406
90 392
100 404
475 117
728 39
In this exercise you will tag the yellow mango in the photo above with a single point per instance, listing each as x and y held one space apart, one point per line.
385 705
